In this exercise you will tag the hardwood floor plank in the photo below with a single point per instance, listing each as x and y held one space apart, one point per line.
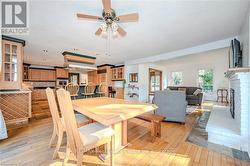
216 159
204 157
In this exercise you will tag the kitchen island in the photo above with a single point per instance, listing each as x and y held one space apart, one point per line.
15 106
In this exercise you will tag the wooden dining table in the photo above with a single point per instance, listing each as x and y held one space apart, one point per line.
113 112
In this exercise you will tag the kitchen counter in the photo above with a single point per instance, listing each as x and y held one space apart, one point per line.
15 91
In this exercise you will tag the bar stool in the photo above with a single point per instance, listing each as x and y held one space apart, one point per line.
89 91
100 90
111 92
73 90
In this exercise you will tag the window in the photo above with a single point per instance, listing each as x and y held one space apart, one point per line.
177 78
155 80
206 79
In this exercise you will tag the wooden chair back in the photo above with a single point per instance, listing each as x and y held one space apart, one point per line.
72 88
90 88
54 109
73 136
102 88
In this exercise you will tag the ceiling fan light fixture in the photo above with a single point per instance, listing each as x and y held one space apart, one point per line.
114 28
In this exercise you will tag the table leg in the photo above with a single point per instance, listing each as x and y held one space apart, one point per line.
125 133
153 131
120 135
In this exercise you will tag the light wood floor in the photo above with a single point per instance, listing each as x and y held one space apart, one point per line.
28 146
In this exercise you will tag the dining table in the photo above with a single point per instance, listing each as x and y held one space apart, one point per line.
113 112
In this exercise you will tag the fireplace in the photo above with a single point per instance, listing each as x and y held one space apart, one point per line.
232 102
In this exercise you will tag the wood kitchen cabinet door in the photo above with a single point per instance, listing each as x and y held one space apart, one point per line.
51 75
102 78
11 63
34 74
119 93
39 94
41 75
92 77
62 73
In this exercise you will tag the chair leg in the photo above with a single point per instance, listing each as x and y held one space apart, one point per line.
58 144
79 158
112 163
52 138
67 154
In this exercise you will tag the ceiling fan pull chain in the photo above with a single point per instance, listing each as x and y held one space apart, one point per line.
109 42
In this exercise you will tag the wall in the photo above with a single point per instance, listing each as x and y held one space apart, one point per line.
244 39
189 65
130 69
143 79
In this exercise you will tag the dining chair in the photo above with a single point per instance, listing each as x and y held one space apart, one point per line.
101 90
89 91
85 138
58 122
73 89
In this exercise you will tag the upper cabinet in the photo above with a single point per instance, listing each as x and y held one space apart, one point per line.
118 73
11 65
36 74
62 73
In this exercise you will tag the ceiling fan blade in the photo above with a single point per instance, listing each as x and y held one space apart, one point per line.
86 16
121 31
98 32
128 17
106 5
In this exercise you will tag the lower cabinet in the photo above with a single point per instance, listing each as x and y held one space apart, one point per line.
39 94
119 93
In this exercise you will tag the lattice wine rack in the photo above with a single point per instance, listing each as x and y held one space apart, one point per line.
16 107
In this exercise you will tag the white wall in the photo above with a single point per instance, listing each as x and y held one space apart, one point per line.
189 65
244 39
143 78
130 69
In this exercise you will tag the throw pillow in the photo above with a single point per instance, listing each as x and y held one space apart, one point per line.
182 89
197 92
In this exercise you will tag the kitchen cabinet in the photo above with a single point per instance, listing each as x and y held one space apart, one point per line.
25 72
62 73
39 94
41 74
119 93
118 73
11 65
92 77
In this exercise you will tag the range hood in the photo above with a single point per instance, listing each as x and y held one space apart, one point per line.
75 61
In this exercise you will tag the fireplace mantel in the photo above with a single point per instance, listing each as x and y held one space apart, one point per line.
231 72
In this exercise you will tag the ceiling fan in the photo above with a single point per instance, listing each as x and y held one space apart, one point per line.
110 19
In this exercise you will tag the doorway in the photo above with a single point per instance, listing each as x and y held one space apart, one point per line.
155 82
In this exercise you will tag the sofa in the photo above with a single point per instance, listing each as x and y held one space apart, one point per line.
190 97
171 104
